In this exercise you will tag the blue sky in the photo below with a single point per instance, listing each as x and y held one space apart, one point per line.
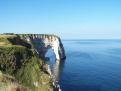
70 19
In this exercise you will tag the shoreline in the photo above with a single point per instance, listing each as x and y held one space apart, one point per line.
55 84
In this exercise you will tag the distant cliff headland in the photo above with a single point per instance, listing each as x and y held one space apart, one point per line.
21 61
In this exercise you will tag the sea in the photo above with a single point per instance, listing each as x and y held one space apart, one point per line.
90 65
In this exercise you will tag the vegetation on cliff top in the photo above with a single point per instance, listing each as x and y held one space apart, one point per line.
19 60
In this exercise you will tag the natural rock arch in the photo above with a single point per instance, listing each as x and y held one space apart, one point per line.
42 42
50 54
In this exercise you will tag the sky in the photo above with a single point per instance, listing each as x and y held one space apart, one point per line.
69 19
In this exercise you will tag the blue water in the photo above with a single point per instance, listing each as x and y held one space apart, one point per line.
91 65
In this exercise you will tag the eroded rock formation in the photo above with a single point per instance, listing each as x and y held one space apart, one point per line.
43 42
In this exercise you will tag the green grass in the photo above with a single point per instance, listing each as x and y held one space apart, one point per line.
9 83
4 40
19 60
31 73
13 57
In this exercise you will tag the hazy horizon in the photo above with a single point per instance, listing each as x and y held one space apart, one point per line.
69 19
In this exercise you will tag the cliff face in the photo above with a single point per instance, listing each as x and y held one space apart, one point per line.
18 59
42 43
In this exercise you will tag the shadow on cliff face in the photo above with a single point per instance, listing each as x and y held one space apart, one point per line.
18 41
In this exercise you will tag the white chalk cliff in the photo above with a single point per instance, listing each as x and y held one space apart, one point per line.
43 42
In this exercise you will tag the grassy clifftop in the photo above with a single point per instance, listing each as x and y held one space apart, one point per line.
19 60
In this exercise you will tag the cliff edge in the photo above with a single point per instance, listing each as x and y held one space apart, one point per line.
21 69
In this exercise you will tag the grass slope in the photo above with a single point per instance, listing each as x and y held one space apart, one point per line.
19 60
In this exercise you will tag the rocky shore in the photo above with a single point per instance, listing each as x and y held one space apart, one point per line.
55 84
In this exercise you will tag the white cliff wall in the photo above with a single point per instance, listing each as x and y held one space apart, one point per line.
42 43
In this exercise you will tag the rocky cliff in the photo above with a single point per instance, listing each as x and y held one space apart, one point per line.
20 67
43 42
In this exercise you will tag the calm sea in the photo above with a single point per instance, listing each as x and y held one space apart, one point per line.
91 65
